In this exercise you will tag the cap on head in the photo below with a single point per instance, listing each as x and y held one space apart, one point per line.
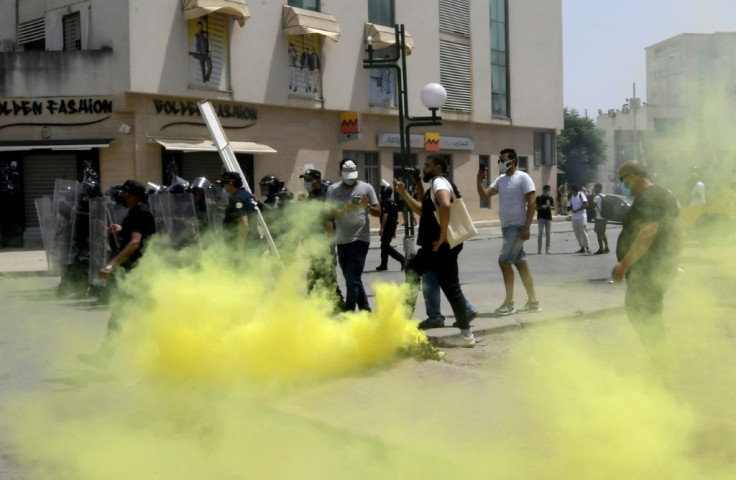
311 174
546 188
349 169
230 177
135 188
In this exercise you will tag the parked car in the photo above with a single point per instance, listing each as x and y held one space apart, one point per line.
614 207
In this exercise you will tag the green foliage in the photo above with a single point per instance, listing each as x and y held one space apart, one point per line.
580 148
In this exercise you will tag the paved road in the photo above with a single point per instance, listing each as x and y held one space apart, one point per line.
566 395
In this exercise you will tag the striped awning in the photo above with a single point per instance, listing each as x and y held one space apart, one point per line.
299 21
199 8
383 36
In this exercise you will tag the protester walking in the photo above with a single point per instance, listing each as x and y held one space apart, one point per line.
600 222
515 190
355 200
647 251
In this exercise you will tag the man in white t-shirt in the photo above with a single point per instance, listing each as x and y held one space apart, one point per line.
579 204
515 190
697 193
600 222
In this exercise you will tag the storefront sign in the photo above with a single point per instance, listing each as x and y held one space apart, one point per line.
191 109
417 141
54 110
432 141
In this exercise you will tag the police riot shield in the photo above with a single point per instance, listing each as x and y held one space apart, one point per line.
44 210
158 210
216 202
65 205
180 217
99 245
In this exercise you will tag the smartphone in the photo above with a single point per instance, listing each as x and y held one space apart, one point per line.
356 200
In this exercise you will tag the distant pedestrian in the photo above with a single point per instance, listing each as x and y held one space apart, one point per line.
564 195
579 206
515 190
697 188
389 222
647 252
600 222
434 252
545 207
355 201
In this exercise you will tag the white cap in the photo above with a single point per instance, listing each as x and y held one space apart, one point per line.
349 169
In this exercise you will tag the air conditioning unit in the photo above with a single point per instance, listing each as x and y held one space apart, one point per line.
611 112
7 46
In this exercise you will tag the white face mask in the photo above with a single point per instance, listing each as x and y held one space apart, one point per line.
348 181
308 187
504 166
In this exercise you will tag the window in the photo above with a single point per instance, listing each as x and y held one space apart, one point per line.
499 59
523 163
455 75
72 31
32 35
369 168
455 17
544 149
484 161
381 12
306 4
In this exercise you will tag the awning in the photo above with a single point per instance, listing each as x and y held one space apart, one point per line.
80 144
199 8
298 21
383 36
202 145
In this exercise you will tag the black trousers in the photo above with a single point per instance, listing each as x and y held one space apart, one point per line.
443 263
387 250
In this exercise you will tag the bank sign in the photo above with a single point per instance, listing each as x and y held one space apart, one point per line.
418 141
54 111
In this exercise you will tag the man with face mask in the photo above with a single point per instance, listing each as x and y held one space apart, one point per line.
434 254
354 201
647 252
515 190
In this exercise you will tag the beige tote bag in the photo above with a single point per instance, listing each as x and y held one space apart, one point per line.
461 226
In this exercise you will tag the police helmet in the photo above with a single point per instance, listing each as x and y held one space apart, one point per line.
270 185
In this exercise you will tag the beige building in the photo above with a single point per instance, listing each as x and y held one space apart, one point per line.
110 87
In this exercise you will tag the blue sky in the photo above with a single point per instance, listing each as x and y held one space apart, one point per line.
604 41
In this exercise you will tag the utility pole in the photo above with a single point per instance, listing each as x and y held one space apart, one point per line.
634 104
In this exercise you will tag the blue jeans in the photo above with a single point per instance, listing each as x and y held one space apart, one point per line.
351 257
431 294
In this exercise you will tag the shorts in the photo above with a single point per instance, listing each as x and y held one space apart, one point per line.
512 250
600 226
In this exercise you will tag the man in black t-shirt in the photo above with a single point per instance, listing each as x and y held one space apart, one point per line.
137 227
434 252
389 221
545 207
647 252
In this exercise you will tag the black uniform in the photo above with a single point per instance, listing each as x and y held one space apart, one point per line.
241 204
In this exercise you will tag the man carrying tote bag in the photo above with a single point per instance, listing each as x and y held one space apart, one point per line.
435 253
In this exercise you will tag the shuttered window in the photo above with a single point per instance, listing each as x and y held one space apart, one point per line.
545 146
32 35
455 75
455 17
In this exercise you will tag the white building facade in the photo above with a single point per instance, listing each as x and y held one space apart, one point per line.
111 87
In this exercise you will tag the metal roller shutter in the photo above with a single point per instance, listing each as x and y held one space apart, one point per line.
40 171
209 165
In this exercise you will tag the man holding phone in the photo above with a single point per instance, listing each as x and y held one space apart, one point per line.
354 201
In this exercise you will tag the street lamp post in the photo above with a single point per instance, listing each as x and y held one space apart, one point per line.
433 96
